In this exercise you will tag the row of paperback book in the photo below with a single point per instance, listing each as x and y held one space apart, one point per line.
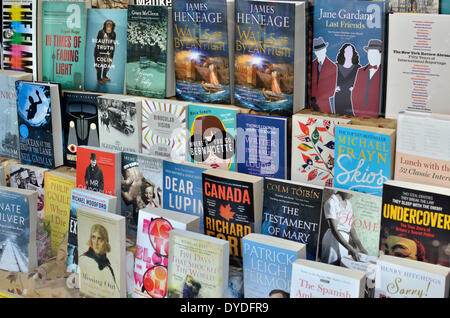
355 58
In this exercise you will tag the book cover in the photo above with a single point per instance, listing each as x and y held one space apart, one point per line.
404 278
212 136
18 230
418 63
317 280
101 253
292 211
98 170
183 191
347 66
106 50
119 123
164 128
267 263
88 199
415 222
63 41
80 124
444 7
201 49
106 4
313 144
263 145
423 157
147 51
141 186
19 36
167 3
57 188
152 249
364 158
415 6
198 265
39 122
9 138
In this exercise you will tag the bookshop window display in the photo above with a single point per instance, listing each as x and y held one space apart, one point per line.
225 149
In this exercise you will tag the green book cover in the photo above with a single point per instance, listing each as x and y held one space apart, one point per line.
63 41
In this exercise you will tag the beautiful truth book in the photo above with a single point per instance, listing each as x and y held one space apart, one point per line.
313 144
270 64
106 50
423 157
18 229
164 128
267 263
63 41
101 253
198 265
9 130
415 222
419 63
152 249
202 35
348 57
365 157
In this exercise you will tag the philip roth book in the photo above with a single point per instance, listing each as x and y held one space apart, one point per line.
347 62
98 170
398 277
198 265
152 249
364 158
312 279
202 33
232 207
269 48
263 145
18 229
119 122
268 265
106 50
88 199
183 191
415 222
149 70
313 143
141 186
164 128
63 42
9 131
19 36
57 187
415 6
418 63
80 124
292 211
39 124
423 157
101 253
212 136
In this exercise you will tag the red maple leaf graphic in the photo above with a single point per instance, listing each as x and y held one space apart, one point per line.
226 213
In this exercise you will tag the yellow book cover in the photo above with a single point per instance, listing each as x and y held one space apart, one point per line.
57 189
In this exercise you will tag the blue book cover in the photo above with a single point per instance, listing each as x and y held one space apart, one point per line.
291 211
364 158
106 50
263 145
347 63
34 113
83 198
444 7
267 267
202 67
15 231
183 189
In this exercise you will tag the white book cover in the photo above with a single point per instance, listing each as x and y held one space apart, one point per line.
398 277
312 279
419 63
